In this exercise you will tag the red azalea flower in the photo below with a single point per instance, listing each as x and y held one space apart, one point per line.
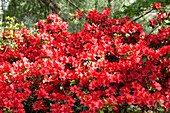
79 13
25 31
106 12
157 5
56 108
39 105
153 22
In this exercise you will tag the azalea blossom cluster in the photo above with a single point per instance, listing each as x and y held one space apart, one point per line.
110 65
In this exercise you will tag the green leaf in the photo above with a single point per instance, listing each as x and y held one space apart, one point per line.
160 109
167 21
156 105
139 109
25 72
110 108
127 35
131 107
101 111
88 19
115 72
168 38
114 103
143 59
123 111
72 82
51 104
89 62
106 101
4 109
61 88
43 81
85 99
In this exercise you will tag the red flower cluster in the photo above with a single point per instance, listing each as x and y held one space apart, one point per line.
153 22
79 13
110 65
157 5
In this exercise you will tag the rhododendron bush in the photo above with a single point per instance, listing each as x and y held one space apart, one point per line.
111 65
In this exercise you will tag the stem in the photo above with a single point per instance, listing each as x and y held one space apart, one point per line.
96 3
152 30
142 15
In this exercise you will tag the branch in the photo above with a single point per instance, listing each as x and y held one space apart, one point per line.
73 4
55 5
56 9
142 15
152 30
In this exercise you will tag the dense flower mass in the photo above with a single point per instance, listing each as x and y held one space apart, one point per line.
109 66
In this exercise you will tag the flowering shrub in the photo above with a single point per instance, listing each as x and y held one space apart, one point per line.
109 66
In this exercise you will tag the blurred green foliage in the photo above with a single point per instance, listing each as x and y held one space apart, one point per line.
11 25
32 11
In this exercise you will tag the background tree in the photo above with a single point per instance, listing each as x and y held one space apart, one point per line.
32 11
141 11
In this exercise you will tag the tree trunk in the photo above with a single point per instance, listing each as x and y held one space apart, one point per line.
96 3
